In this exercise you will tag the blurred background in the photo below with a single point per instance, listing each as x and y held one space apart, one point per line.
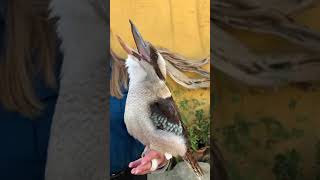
269 133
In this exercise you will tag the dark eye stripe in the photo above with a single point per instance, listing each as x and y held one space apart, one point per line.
154 61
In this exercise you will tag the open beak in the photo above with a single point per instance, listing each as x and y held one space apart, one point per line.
128 49
142 46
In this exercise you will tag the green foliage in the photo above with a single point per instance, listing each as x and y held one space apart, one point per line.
237 137
276 131
197 120
190 104
199 132
292 104
196 102
287 166
297 133
235 99
232 139
184 104
176 92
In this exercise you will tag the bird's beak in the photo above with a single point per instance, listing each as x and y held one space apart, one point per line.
128 49
142 46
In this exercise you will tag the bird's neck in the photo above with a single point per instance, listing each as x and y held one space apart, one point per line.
135 71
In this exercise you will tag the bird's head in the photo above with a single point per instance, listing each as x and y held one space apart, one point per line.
146 63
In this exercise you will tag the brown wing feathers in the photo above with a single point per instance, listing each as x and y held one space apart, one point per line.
166 116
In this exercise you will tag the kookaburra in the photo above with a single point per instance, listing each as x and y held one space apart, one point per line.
151 115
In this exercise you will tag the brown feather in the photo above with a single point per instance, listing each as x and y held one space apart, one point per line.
193 163
154 61
167 108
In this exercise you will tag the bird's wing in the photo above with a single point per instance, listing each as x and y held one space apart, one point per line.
165 116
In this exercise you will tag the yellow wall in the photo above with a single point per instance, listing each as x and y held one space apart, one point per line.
241 117
179 25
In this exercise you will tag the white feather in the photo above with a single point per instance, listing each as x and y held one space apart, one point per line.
135 70
143 91
162 65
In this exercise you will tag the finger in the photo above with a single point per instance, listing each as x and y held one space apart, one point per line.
145 169
135 163
142 169
149 156
144 172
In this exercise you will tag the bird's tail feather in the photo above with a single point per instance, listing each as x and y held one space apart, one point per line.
189 158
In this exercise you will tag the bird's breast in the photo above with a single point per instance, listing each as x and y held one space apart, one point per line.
137 114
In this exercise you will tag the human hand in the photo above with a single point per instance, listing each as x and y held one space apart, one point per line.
143 165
